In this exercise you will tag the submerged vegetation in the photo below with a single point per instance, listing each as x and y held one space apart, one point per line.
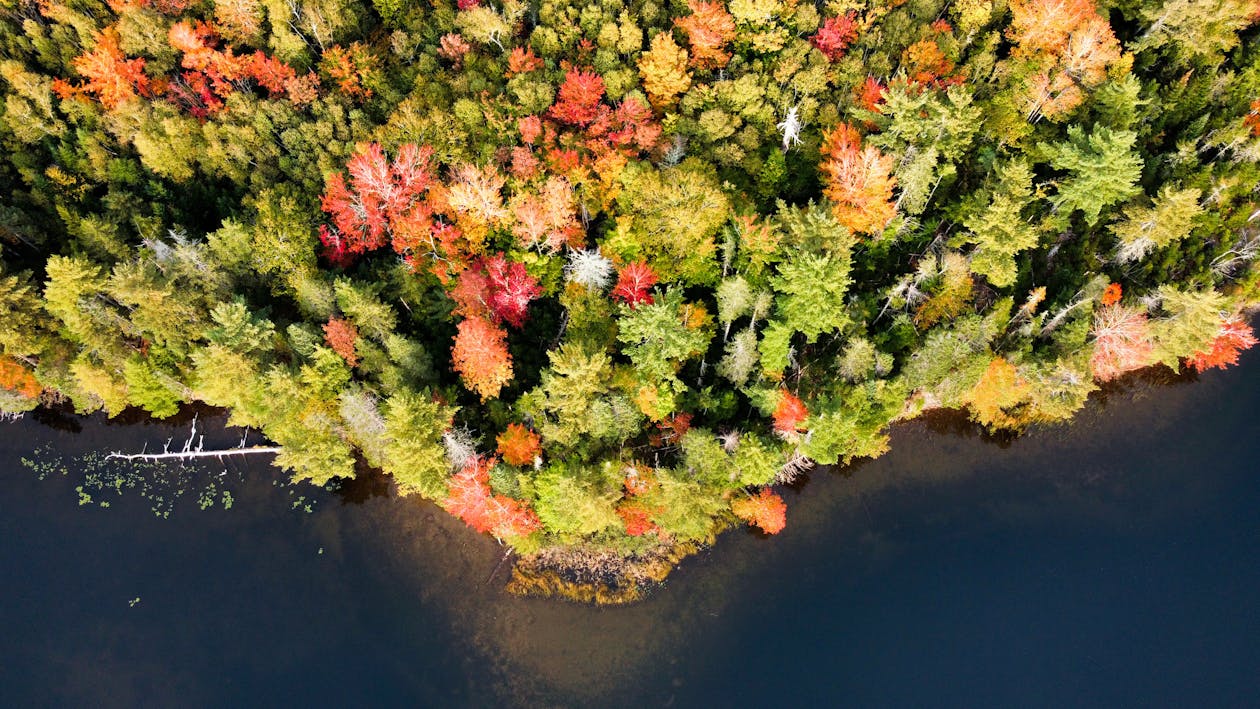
595 277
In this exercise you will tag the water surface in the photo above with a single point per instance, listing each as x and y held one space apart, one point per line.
1115 561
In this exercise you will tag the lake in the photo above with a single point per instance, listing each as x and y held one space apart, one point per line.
1113 561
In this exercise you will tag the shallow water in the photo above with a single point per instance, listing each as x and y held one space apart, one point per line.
1115 561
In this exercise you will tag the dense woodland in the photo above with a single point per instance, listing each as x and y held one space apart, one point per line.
595 276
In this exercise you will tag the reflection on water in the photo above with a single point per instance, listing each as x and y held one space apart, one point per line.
958 568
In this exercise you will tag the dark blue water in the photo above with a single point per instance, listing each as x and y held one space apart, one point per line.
1114 562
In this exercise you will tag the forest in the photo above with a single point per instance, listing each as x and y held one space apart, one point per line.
600 278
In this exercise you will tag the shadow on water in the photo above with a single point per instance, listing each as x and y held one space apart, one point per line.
899 580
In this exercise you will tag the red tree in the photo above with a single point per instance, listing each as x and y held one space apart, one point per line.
511 289
382 200
1233 337
835 35
579 98
634 284
471 500
765 510
789 414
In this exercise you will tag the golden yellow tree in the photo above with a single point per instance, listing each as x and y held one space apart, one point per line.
664 71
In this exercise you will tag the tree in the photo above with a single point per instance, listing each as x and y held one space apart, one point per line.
481 357
789 414
710 29
413 452
1121 342
518 445
18 379
997 397
110 76
634 284
341 335
670 218
998 227
659 336
1169 219
382 200
765 510
1102 170
511 289
857 180
835 35
472 501
578 99
1233 337
664 71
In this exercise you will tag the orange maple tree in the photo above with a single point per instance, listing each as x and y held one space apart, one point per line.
710 29
1112 294
481 356
858 181
519 445
109 74
765 510
341 334
18 379
789 414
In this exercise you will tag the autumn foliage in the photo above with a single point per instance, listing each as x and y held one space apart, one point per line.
1121 341
634 283
341 334
710 30
835 35
1233 337
109 74
578 98
18 379
519 445
765 510
858 180
789 414
471 500
383 202
495 288
481 357
1112 294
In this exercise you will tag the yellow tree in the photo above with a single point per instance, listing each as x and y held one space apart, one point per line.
664 71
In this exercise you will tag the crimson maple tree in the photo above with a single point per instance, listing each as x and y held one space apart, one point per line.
634 284
1233 337
835 35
